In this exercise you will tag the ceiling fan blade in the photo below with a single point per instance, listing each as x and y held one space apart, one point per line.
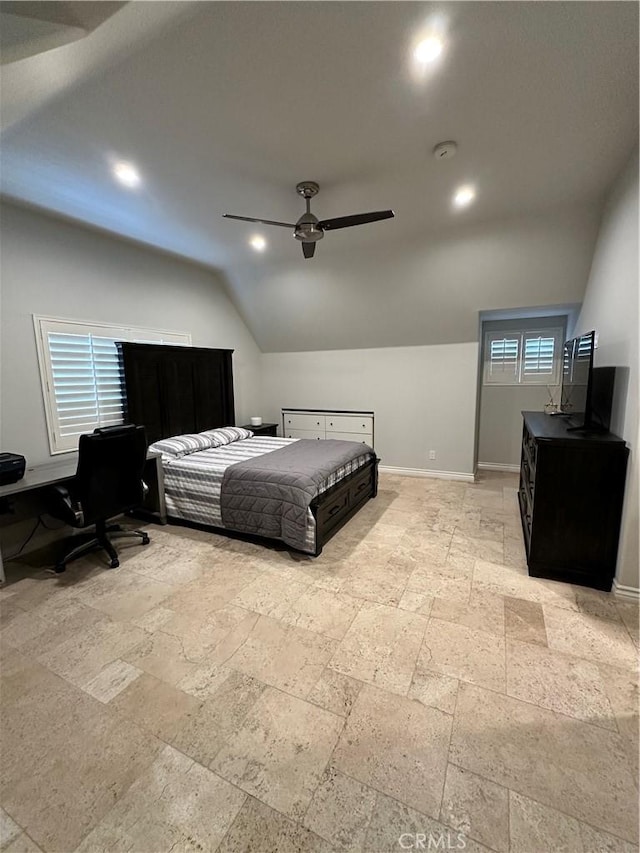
356 219
308 249
263 221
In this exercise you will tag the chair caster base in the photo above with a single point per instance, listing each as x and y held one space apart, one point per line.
145 539
113 564
59 569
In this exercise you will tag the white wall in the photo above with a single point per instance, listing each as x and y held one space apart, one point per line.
55 268
424 398
611 308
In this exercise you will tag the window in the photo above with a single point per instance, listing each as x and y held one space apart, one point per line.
81 373
522 357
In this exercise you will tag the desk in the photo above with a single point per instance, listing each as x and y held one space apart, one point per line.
40 476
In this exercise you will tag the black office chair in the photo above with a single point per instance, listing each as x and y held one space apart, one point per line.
108 482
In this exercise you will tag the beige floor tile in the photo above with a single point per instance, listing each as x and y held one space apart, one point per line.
595 841
259 828
201 635
538 827
9 829
65 756
111 680
628 611
396 827
163 656
288 658
596 603
409 758
484 612
464 653
433 584
323 612
175 805
280 752
155 705
434 690
476 807
22 844
556 760
153 619
416 602
622 691
590 637
565 684
270 595
22 627
507 580
381 647
382 584
340 810
524 620
124 595
213 590
173 566
83 655
480 548
203 733
335 692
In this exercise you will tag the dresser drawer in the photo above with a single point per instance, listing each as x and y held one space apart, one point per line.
349 423
303 420
303 433
351 436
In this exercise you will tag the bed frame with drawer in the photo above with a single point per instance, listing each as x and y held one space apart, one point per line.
175 390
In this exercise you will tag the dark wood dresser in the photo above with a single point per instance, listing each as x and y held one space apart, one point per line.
571 493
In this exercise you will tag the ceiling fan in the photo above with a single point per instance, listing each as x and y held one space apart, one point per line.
309 229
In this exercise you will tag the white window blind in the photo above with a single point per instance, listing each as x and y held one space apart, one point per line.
82 377
523 357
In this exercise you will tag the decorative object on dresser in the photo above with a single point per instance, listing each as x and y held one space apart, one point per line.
571 493
262 429
328 423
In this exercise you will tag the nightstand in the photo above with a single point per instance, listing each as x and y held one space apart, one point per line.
263 429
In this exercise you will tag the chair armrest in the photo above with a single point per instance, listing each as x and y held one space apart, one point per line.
62 506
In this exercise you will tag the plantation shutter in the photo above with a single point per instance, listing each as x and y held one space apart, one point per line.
501 366
82 375
523 357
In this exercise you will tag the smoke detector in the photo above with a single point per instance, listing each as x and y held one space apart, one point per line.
445 150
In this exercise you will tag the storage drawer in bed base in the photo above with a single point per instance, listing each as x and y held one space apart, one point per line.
338 504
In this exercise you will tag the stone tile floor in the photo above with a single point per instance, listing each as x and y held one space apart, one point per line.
412 688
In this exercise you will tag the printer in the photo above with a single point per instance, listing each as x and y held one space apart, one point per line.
12 467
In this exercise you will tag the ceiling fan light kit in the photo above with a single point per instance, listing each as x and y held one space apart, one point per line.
309 229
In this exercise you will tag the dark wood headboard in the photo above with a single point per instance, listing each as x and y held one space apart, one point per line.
173 390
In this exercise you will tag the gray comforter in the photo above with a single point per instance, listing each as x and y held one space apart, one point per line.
270 495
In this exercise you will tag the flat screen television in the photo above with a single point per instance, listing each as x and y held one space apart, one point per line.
577 381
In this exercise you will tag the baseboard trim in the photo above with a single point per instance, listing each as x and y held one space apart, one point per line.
498 466
623 591
423 472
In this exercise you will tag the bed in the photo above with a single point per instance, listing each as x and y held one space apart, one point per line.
299 492
186 392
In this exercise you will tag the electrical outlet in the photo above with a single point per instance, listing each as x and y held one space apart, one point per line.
432 454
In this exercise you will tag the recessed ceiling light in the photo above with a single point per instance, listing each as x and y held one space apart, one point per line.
428 50
258 243
464 196
127 174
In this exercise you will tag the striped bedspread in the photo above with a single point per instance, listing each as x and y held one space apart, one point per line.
192 483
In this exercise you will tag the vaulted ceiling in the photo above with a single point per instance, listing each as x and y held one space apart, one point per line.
224 107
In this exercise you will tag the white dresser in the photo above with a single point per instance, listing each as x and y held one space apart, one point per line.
322 423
